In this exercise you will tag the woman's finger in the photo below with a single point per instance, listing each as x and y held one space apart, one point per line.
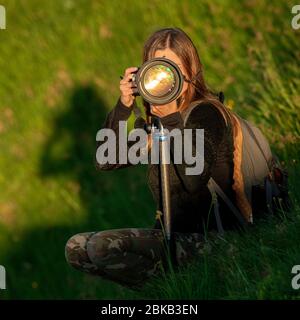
128 71
128 74
127 85
125 80
124 90
127 92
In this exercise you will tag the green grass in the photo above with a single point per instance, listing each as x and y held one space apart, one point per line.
60 63
255 265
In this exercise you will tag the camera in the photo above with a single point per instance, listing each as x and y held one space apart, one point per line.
158 81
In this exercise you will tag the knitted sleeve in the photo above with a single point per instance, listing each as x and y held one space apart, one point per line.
203 116
119 113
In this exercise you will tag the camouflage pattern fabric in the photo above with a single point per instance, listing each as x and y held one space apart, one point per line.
128 256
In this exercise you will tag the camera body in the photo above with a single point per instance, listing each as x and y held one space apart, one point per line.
158 81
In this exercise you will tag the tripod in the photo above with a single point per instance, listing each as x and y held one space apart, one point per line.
164 173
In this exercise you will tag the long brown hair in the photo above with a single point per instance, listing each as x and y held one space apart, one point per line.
181 44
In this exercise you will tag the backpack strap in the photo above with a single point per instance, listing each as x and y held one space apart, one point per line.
216 208
136 110
268 191
270 188
212 184
252 134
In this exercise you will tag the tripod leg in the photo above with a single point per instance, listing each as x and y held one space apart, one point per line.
170 261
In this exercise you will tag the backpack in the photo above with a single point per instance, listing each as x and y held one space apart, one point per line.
265 179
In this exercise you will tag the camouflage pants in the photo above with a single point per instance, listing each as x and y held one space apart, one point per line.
128 256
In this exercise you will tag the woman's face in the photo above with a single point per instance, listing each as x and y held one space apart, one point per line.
169 54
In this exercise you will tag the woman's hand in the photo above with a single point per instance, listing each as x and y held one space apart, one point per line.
126 87
164 109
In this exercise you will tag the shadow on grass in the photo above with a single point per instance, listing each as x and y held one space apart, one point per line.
39 266
69 156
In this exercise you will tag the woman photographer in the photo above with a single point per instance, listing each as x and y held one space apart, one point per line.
130 256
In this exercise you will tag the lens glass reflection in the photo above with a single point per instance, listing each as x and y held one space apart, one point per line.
159 80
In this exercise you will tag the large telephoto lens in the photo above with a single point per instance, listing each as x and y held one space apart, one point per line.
159 81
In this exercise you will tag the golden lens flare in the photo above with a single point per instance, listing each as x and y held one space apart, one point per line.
159 80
